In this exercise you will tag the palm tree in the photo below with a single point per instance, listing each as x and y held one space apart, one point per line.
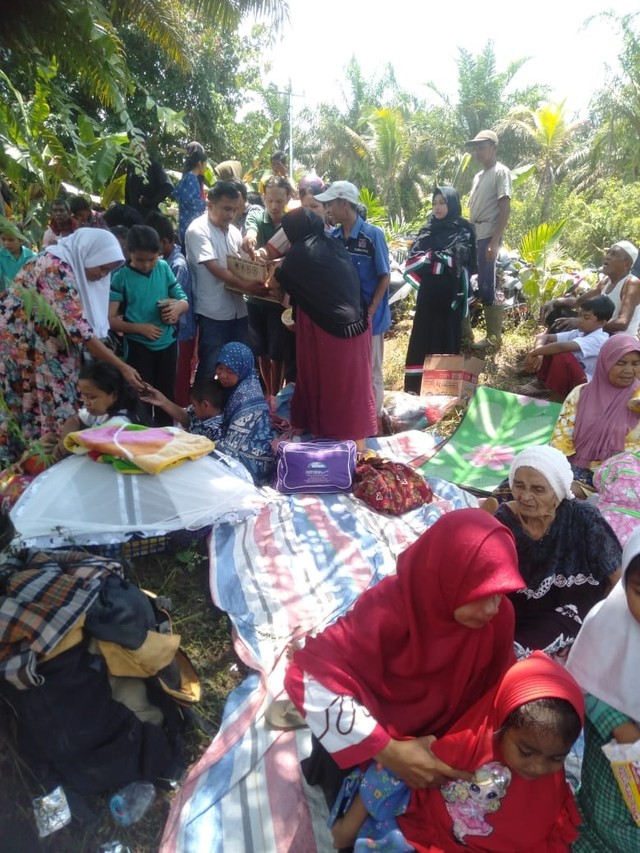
398 157
80 38
548 135
616 108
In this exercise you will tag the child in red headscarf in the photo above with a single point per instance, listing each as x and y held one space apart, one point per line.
514 740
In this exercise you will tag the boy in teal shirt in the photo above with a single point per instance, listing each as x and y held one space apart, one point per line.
153 302
13 256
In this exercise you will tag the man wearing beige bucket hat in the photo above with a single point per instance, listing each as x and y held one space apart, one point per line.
489 209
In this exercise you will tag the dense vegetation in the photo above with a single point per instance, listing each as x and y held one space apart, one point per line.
76 102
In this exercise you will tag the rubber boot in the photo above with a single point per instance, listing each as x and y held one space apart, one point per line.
466 340
493 318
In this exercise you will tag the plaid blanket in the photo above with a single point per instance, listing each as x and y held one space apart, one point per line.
43 603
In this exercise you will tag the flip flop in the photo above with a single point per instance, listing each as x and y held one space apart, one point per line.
283 715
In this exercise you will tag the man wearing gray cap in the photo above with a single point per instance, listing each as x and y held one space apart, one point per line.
618 283
489 209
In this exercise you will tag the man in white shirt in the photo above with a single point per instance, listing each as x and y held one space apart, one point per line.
489 210
221 314
566 359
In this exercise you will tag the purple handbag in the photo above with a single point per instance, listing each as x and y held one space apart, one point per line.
315 467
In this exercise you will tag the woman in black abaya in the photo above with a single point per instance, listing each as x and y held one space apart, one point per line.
440 261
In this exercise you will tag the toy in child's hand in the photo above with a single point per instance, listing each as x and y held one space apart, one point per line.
468 802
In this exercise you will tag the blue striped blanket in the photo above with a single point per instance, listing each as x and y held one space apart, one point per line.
290 570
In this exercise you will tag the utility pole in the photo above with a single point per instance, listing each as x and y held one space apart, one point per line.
290 95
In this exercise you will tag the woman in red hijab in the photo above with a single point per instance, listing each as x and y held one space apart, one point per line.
515 741
413 655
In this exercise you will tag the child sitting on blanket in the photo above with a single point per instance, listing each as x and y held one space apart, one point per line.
514 740
106 397
203 416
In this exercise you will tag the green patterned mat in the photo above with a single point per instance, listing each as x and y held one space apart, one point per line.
496 426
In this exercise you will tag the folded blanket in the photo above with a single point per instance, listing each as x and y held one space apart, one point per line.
134 449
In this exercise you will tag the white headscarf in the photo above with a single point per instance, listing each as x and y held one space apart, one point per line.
551 463
86 248
604 657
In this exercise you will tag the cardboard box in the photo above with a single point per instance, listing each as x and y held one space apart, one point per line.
250 270
452 375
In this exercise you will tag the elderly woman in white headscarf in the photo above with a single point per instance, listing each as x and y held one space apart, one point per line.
55 309
568 556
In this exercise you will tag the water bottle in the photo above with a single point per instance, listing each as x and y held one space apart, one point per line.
131 802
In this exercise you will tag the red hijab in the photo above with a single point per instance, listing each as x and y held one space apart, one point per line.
603 418
534 816
401 653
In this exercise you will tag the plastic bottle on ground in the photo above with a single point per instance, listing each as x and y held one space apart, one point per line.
131 802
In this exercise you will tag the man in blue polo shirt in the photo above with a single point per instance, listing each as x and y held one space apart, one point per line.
370 255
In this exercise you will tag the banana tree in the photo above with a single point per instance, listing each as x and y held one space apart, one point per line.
46 140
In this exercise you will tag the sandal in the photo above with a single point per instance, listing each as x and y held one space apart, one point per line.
284 716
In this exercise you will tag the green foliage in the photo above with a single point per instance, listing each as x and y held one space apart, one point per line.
597 219
548 138
45 141
210 91
376 212
535 246
72 95
616 108
548 270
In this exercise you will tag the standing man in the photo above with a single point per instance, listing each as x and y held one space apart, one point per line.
61 223
489 209
221 314
370 256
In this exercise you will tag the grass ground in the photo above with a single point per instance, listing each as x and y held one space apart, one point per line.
206 639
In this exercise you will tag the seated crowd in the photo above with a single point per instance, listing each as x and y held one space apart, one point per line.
444 704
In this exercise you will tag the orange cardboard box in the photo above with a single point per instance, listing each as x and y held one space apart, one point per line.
453 375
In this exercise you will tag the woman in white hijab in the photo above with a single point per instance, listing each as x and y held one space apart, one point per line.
568 556
56 308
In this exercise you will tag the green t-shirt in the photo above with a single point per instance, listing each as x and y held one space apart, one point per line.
260 221
141 293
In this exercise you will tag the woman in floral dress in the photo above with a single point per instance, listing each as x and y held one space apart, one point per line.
56 308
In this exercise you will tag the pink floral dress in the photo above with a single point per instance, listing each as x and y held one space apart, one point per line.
38 364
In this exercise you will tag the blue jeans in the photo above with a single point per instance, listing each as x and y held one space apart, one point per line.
486 273
213 335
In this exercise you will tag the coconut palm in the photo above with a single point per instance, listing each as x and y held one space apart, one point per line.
398 158
548 135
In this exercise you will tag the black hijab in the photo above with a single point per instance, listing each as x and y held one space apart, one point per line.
452 234
319 276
